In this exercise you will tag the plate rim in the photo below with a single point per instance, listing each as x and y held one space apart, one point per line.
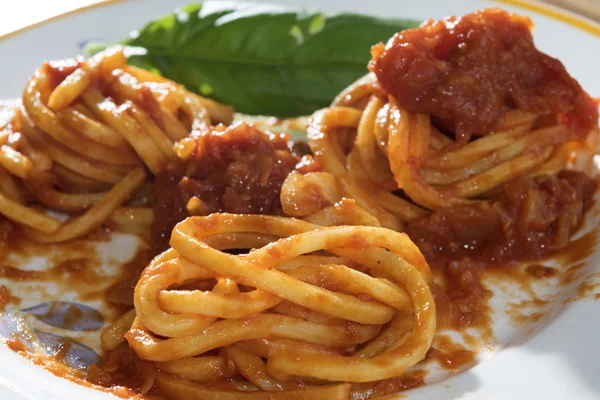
91 8
552 11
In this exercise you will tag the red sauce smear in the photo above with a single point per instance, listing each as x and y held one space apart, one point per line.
450 355
531 218
238 169
467 71
528 219
5 297
57 368
541 271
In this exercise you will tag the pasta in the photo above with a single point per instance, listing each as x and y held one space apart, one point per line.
324 298
289 273
81 138
306 314
397 150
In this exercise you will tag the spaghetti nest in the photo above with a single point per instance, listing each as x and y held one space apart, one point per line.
81 139
397 165
308 306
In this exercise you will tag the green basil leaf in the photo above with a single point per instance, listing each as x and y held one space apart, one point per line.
261 59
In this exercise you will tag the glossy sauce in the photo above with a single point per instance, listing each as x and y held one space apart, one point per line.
5 297
530 312
590 288
410 380
531 218
541 271
67 267
238 170
436 69
73 264
467 71
121 293
55 367
574 256
15 345
450 355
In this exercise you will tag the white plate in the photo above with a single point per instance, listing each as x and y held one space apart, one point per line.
559 362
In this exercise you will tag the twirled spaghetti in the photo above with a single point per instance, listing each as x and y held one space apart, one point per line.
396 150
343 316
376 148
280 276
81 137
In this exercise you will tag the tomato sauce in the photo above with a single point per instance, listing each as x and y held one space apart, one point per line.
529 219
237 170
468 71
5 297
450 355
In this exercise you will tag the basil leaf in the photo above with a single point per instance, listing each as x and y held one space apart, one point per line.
262 59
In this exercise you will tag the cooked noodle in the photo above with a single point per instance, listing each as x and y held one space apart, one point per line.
345 316
292 280
80 139
392 149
